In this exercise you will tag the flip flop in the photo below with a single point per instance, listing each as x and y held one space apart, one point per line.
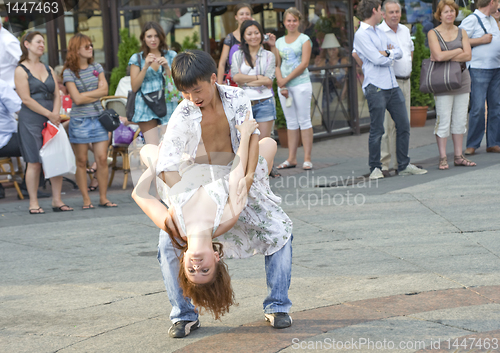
88 207
91 170
286 165
60 209
36 209
307 166
108 204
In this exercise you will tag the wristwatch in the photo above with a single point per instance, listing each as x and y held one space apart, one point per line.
388 52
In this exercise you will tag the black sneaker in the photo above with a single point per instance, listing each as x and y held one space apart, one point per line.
279 320
183 328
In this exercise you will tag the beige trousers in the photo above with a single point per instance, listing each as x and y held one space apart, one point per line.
388 143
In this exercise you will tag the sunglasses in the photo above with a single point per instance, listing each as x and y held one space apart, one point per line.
88 46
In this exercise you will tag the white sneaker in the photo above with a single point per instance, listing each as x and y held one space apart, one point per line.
376 174
412 170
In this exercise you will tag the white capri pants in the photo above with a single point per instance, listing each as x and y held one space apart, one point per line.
298 116
451 110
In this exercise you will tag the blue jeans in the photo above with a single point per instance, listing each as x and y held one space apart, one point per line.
393 100
278 274
485 86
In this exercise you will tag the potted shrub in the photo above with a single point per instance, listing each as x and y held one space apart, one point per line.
420 102
280 122
129 46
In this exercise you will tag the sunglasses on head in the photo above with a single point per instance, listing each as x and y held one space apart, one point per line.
88 46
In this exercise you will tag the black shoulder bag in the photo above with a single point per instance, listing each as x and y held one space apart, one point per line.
154 100
109 119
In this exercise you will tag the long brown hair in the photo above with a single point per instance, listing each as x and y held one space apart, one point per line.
72 57
163 47
215 296
28 37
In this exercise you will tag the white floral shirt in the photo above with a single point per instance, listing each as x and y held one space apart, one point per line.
263 227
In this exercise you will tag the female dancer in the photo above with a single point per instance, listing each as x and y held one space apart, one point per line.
36 86
147 70
86 84
451 106
253 69
200 213
292 75
243 12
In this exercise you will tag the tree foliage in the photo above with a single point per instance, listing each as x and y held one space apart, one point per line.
129 45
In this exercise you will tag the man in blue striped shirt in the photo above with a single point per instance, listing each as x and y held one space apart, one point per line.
381 89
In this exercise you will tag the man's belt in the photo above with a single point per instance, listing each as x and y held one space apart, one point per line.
403 78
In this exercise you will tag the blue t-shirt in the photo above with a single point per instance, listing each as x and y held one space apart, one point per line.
291 57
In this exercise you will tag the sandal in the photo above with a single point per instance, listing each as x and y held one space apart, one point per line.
443 163
39 211
93 187
108 204
307 166
285 165
88 207
274 173
461 161
62 208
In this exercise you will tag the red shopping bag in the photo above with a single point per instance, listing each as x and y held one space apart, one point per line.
48 132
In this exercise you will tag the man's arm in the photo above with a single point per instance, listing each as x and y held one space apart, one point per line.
469 24
365 47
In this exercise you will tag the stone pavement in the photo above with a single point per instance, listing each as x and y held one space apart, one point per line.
405 264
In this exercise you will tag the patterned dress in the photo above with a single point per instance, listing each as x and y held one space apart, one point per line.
153 81
263 227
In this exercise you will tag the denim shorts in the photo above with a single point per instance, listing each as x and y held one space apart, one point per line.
264 111
86 130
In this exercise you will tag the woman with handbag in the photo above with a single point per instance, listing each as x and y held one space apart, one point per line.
147 74
232 41
36 86
86 84
447 42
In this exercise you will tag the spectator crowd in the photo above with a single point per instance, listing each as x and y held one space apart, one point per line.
32 93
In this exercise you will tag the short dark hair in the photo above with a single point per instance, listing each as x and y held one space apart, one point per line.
365 8
192 66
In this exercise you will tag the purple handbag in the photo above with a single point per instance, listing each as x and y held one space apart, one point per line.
123 135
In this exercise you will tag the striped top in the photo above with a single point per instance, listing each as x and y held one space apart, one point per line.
90 77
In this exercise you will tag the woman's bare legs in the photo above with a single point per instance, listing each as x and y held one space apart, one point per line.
81 150
265 129
150 132
56 184
307 140
101 158
293 144
32 183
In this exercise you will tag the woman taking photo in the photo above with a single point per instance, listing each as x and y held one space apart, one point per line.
253 69
147 74
451 106
86 84
243 12
36 86
292 75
